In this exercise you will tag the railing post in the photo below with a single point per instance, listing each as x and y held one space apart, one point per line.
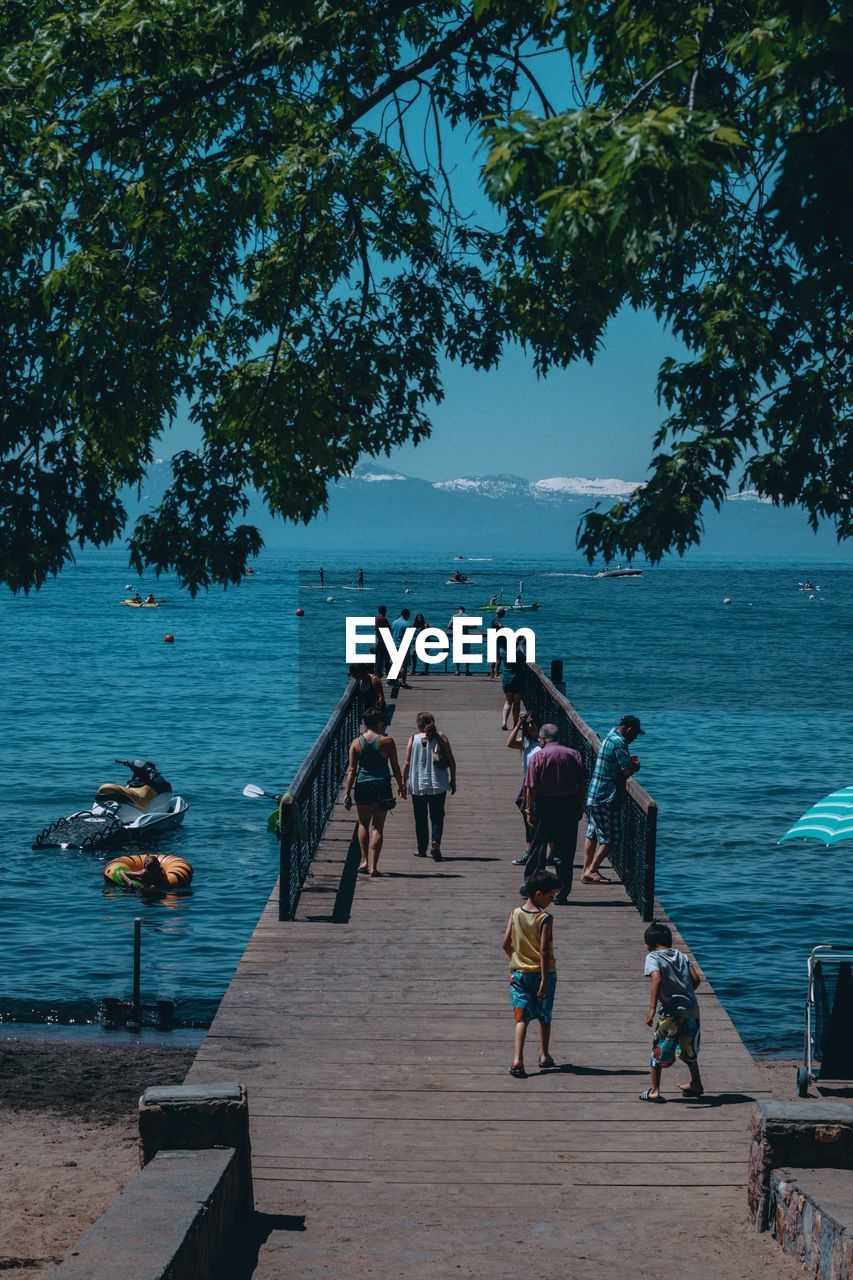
649 868
285 832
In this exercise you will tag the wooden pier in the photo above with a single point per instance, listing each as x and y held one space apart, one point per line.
388 1138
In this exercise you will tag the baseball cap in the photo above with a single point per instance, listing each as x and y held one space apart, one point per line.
631 722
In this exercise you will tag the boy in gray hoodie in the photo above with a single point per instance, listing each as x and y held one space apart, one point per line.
673 1011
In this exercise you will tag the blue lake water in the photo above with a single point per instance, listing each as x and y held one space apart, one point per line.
748 708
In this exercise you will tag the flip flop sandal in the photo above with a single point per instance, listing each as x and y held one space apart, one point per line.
546 1064
645 1097
518 1073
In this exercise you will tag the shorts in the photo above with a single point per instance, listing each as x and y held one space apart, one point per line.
675 1036
526 1004
513 684
377 791
605 822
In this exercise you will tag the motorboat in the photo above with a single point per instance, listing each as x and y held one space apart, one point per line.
619 572
143 807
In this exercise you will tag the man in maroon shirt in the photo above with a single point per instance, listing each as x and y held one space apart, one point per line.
555 785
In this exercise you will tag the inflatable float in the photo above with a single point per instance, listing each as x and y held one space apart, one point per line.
142 604
178 871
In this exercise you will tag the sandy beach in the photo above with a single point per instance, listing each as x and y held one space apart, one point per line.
68 1137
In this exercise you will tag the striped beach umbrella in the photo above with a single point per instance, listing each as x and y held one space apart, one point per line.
830 820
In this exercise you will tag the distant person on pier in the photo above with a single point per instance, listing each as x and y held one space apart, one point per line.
673 1011
382 626
496 623
372 760
512 680
529 942
398 630
605 801
524 737
370 687
420 624
460 613
428 774
555 784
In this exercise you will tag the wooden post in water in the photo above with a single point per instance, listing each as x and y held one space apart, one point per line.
133 1016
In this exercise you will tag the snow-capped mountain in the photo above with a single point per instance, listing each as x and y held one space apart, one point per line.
579 486
553 487
486 486
500 514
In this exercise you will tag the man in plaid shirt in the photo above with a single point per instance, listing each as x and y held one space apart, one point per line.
605 801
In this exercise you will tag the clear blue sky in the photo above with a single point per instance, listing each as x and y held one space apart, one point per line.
586 420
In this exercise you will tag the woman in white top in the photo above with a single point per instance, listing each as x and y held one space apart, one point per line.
429 773
524 737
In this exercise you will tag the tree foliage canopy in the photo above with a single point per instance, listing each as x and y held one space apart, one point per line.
222 207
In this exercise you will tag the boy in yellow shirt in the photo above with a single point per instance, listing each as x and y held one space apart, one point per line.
529 942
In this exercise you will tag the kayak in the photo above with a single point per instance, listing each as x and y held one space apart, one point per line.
141 604
508 608
455 582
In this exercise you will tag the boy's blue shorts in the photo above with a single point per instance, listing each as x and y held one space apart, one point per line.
526 1004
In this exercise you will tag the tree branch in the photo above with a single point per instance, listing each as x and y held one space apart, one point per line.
263 60
643 87
520 65
438 50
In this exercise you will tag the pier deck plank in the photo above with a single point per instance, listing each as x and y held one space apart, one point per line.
376 1053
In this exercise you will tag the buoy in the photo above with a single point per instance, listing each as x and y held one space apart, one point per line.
300 613
128 587
330 599
408 591
727 600
169 638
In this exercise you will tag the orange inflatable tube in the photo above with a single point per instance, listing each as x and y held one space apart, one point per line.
178 871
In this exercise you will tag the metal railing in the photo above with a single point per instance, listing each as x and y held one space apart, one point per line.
633 856
306 806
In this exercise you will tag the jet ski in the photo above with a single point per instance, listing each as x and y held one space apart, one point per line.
143 807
